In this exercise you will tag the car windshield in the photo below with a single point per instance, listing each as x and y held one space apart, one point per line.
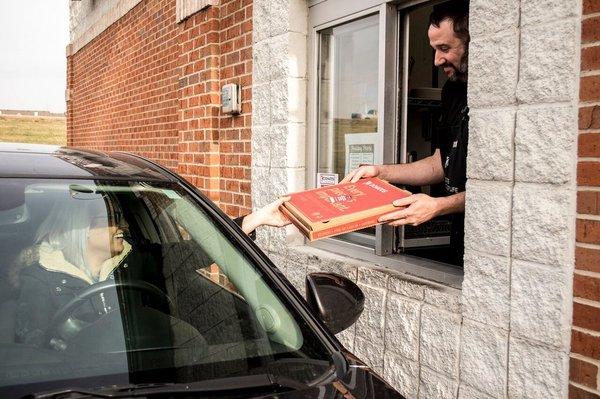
116 283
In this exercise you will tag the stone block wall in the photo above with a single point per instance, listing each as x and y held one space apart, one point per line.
144 79
507 333
585 338
410 329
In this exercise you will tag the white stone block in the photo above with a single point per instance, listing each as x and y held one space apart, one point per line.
436 386
487 17
338 264
483 358
488 216
549 60
545 143
402 326
261 62
403 286
261 20
491 144
288 55
280 17
486 289
287 145
288 103
467 392
542 226
261 146
493 78
294 272
267 185
402 374
369 352
445 298
289 16
261 105
347 336
371 323
536 372
541 300
543 11
298 12
440 334
373 277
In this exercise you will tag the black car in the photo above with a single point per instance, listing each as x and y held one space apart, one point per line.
120 279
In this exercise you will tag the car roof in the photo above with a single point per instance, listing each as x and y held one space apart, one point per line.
48 161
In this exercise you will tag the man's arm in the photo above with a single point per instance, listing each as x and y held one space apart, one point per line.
420 173
419 208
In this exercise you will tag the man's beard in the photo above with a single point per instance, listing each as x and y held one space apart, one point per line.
459 74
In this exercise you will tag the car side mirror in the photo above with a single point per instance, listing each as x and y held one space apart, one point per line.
335 299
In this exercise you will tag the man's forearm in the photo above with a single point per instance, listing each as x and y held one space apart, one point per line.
452 204
420 173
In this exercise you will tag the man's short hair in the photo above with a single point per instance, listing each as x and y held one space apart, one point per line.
455 11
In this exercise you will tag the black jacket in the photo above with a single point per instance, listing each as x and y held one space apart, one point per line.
52 282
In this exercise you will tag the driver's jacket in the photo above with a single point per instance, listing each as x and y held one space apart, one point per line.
52 282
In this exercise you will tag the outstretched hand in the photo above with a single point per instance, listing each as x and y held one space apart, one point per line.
416 209
269 215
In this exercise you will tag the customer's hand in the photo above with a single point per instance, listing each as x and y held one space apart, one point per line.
416 209
360 172
269 215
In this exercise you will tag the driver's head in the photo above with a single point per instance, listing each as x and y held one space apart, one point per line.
81 228
105 233
449 37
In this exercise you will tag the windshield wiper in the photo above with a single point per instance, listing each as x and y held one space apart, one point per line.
239 384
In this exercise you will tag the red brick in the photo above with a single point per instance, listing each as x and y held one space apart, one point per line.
578 393
583 372
588 202
591 6
588 173
585 344
586 287
590 58
589 86
589 117
586 316
587 259
589 145
590 30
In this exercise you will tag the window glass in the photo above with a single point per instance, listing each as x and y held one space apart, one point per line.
164 293
348 70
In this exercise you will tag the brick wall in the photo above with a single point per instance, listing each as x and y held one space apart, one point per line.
151 86
585 339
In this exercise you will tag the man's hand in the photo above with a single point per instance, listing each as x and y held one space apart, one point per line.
419 208
359 173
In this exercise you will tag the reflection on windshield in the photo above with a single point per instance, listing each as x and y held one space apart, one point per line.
134 280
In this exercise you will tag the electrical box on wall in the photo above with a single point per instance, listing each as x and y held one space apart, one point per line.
230 99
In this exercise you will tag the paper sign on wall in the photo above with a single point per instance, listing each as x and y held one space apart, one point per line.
361 148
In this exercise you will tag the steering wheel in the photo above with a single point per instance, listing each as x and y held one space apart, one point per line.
65 312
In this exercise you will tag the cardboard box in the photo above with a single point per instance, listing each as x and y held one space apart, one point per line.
341 208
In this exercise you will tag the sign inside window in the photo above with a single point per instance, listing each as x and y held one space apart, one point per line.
361 149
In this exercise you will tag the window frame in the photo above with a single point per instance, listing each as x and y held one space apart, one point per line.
392 119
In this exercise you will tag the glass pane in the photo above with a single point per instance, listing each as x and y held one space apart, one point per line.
165 293
348 98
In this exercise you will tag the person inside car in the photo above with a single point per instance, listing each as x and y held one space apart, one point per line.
81 243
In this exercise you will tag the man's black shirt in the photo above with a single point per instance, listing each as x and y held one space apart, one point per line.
451 137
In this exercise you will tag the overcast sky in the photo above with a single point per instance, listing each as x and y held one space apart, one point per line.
33 37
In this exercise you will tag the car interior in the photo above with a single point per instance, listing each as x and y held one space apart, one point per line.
196 300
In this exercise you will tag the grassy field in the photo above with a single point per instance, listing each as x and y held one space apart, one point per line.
29 129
